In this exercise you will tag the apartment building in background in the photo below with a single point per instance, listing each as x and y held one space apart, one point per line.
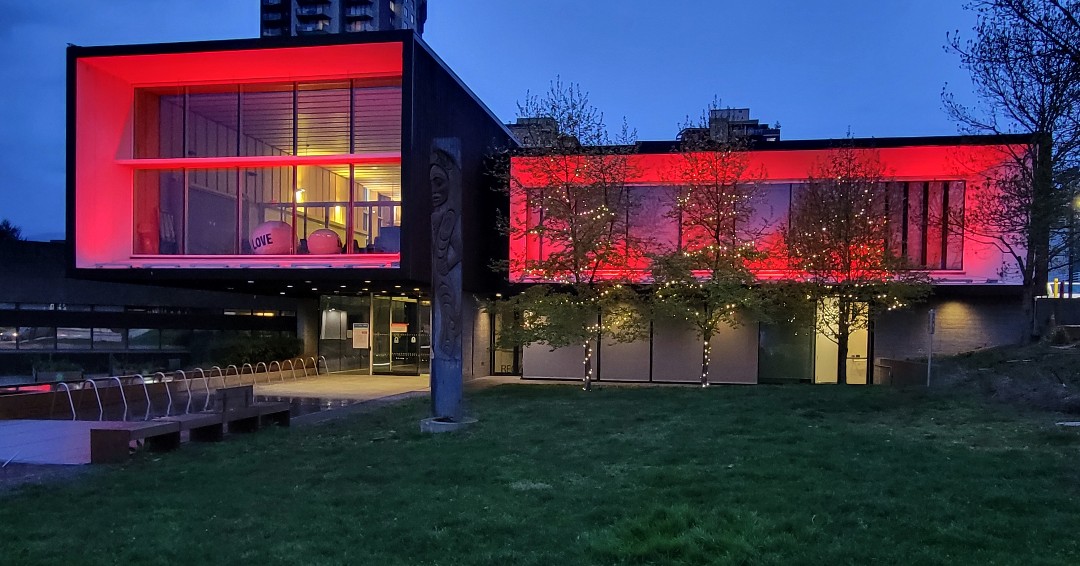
314 17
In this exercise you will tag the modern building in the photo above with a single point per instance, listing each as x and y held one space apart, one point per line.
295 168
934 184
115 328
303 168
730 124
314 17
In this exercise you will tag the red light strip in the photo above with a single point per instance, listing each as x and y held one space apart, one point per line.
388 158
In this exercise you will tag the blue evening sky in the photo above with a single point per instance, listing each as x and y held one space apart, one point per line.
820 68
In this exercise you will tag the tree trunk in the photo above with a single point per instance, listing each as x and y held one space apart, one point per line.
843 332
706 351
1027 312
1043 214
587 380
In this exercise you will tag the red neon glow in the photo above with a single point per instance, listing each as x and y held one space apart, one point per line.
104 163
970 163
261 161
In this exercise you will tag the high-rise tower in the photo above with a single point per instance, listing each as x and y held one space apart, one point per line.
307 17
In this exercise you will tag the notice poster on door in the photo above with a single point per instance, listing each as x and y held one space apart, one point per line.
361 336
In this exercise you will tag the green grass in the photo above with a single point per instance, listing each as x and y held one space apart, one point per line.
553 475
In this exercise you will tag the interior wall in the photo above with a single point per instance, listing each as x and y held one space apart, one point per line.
103 204
307 325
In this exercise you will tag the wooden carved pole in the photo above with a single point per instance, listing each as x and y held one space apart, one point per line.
445 178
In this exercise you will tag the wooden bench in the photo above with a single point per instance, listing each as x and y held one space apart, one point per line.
241 413
110 442
273 412
203 427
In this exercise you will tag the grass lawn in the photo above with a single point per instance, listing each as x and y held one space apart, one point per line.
553 475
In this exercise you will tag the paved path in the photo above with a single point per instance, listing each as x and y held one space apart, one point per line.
355 387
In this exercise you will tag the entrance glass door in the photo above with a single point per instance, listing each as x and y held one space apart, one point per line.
400 335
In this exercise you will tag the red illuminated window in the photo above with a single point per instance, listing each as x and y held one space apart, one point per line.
191 209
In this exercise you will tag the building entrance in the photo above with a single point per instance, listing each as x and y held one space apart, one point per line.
400 336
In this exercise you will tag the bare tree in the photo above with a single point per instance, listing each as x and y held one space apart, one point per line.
838 236
1057 20
9 232
705 279
571 182
1026 74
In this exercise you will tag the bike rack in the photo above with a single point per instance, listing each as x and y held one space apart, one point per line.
315 364
101 410
168 408
220 374
247 365
206 384
123 396
280 371
187 383
235 371
146 391
292 368
303 364
70 402
256 370
324 365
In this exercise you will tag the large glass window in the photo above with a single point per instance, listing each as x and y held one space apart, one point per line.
144 339
72 338
37 338
109 338
228 205
8 337
926 222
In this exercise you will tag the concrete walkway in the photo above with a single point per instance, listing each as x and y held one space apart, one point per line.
351 386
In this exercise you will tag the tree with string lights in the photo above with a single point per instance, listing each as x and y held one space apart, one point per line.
705 279
839 239
572 179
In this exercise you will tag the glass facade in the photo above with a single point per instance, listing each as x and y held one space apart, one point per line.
292 169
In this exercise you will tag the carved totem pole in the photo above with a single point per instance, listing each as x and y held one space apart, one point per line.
444 175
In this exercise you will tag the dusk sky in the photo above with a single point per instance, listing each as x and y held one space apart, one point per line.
819 68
